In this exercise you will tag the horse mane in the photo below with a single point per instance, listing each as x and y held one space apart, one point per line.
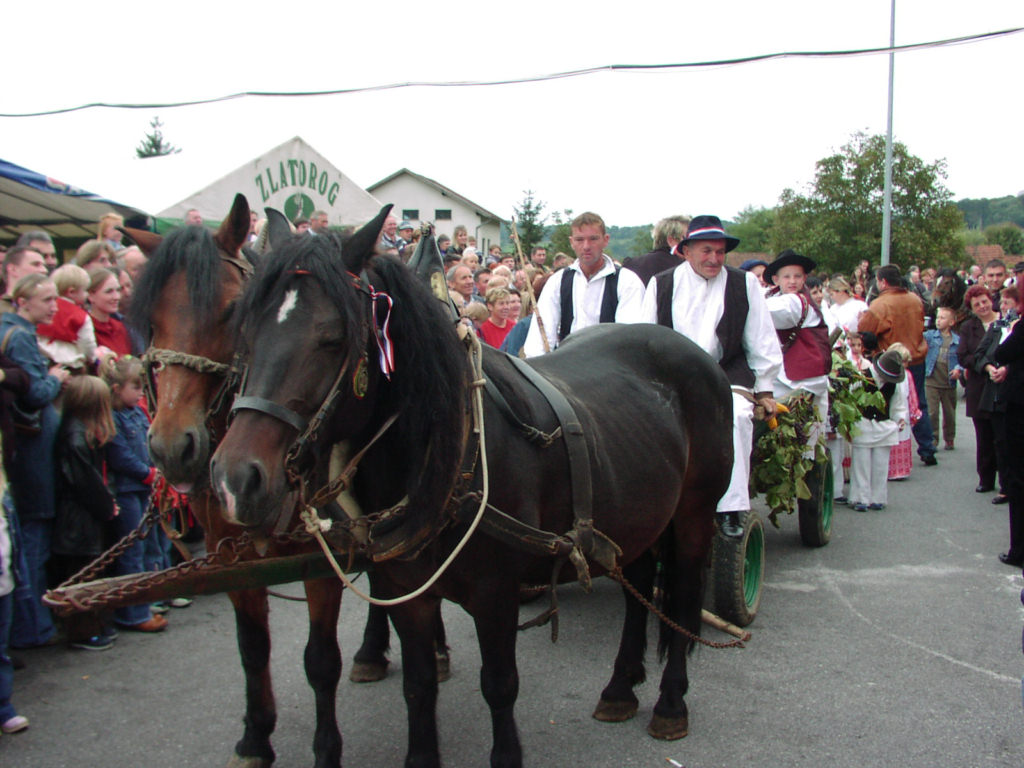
428 387
189 249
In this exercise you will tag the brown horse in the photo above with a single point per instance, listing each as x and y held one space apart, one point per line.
348 348
184 302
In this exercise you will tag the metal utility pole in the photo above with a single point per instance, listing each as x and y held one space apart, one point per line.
887 194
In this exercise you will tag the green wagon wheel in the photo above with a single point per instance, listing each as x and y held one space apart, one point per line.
737 572
816 513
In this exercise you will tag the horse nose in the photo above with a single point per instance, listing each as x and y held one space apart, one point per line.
179 454
243 481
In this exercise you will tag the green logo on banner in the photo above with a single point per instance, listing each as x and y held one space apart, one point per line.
298 206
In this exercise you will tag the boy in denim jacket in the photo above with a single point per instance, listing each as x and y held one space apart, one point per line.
941 372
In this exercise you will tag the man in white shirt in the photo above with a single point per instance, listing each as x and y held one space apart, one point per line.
723 311
592 290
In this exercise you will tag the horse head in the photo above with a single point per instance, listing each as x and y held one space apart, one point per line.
183 304
339 342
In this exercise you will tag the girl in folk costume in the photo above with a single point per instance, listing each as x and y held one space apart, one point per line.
901 457
803 333
70 339
877 432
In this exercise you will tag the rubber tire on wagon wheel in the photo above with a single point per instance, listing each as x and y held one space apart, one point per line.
816 513
737 572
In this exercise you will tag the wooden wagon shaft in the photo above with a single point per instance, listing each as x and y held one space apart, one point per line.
717 622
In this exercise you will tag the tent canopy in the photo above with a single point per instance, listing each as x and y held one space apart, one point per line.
30 200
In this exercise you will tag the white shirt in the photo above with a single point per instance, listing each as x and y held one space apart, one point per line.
785 310
697 308
848 313
586 303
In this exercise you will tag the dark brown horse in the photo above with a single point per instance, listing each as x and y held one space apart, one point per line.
184 302
342 343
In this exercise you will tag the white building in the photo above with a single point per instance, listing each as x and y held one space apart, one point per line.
417 199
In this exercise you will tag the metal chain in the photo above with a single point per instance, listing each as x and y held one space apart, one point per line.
616 575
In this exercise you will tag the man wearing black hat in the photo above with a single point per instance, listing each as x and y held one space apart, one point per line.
589 291
723 311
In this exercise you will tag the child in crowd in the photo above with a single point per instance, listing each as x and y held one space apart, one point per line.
85 505
69 340
496 327
901 457
877 431
133 474
942 371
475 313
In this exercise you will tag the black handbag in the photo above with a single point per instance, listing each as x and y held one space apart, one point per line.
26 422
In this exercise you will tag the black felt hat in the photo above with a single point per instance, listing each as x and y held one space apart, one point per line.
788 258
709 228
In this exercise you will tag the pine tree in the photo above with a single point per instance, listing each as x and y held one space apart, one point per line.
530 222
154 145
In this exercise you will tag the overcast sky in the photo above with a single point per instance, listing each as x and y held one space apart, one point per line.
632 146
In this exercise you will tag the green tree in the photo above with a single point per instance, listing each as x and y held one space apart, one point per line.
530 222
154 145
753 227
1007 235
643 241
839 220
561 233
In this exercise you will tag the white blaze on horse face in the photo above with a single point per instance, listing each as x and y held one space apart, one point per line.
230 507
291 298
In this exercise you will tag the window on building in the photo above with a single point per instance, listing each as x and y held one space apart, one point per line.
443 214
411 214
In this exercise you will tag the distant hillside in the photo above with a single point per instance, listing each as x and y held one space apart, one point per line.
986 211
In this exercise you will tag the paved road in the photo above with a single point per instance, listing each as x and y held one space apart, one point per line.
897 644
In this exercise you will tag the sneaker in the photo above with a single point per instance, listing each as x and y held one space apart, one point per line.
155 624
929 461
110 633
860 507
15 724
94 643
180 602
876 507
841 500
949 447
159 608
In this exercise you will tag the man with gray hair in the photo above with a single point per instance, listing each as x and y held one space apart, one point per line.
668 233
318 223
460 284
40 241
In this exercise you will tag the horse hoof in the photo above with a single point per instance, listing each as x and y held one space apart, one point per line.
237 761
444 667
668 728
615 711
368 671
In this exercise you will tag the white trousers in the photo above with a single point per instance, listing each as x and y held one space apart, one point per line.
737 496
837 447
869 473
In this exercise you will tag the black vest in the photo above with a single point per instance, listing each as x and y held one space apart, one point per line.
609 301
730 327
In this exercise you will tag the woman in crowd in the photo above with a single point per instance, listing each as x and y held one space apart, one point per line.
94 254
104 300
32 472
108 232
972 331
846 309
1009 358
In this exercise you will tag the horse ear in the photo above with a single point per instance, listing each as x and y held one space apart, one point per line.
277 229
234 230
146 240
358 249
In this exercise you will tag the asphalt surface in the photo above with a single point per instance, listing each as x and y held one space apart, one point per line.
897 644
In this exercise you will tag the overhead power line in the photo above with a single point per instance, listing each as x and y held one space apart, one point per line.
537 78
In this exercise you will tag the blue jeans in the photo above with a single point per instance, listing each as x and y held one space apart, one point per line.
6 668
923 429
32 624
132 560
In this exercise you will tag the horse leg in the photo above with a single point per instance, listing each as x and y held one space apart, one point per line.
253 632
684 597
323 667
414 622
444 663
499 677
370 663
618 702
